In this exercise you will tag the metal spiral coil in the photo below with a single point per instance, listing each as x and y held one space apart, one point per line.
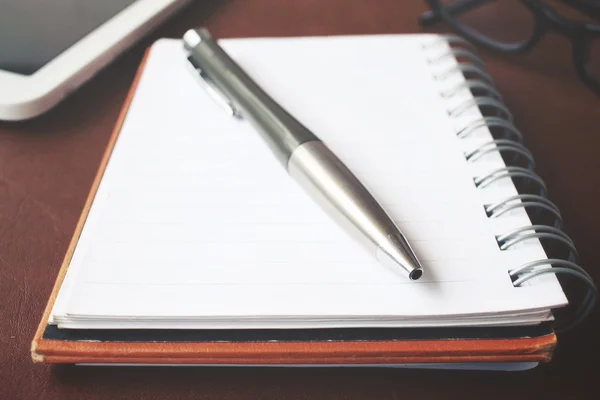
467 69
481 102
507 127
485 96
472 85
525 201
502 145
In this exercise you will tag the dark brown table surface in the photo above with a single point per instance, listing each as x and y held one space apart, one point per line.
47 166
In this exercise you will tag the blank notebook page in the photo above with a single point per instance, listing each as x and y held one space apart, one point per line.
196 225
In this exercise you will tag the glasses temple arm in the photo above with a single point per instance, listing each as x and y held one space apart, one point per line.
431 17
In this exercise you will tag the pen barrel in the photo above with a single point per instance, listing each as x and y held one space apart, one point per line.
330 183
341 195
282 132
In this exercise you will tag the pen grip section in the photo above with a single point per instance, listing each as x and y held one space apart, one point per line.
348 202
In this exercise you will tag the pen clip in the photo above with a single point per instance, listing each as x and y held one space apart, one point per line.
212 89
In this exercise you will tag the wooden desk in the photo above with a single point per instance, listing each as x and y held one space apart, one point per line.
47 166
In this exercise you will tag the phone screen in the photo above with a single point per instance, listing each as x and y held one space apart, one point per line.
33 32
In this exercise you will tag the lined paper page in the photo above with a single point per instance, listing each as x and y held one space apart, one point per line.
195 220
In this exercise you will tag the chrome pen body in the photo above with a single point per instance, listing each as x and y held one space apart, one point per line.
306 158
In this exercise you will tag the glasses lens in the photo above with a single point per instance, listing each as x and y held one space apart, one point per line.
507 22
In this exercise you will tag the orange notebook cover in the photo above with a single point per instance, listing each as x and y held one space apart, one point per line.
375 346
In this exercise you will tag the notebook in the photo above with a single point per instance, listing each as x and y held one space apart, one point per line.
194 233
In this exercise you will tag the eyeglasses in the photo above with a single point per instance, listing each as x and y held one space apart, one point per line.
526 22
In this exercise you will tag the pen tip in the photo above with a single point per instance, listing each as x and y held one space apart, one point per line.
396 253
415 274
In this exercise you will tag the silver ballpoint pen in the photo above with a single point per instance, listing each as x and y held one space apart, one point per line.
306 158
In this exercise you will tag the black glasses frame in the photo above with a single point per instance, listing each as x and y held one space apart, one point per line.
545 19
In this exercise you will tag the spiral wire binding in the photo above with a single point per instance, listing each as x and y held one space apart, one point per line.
473 85
480 102
484 95
502 145
467 69
491 122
